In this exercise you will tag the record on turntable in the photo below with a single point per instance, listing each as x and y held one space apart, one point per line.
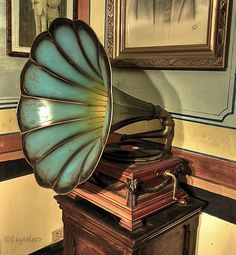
133 150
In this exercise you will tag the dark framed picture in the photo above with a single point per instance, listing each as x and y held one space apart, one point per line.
184 34
27 18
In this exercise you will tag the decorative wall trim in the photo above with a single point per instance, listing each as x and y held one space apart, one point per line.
206 171
214 119
11 156
209 168
208 117
10 142
210 186
8 103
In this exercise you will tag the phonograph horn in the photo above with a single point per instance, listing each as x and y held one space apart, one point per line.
67 107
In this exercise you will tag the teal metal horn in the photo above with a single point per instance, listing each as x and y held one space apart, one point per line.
65 112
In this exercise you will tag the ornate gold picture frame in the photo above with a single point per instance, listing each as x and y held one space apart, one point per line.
168 34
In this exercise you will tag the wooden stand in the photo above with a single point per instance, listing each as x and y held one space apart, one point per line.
91 230
133 191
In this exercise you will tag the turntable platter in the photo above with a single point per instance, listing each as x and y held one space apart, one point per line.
133 151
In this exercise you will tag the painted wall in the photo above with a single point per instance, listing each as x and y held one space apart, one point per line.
9 67
28 215
215 236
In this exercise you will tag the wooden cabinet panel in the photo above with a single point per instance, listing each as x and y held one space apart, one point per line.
89 230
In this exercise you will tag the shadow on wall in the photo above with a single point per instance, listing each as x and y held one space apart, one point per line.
145 85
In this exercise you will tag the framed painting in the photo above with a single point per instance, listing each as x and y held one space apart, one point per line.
27 18
168 34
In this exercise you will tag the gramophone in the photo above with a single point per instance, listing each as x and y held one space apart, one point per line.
68 114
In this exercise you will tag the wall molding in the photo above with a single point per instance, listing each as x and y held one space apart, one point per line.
209 186
210 117
209 168
211 173
10 142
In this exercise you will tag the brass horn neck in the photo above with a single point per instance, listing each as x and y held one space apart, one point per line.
128 110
